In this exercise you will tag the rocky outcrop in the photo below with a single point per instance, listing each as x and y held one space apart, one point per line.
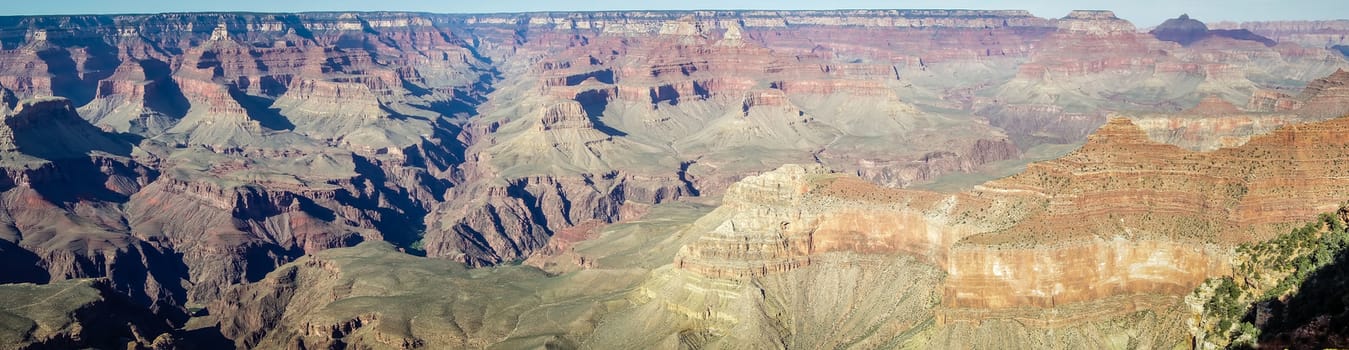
780 220
1326 97
1321 98
1095 22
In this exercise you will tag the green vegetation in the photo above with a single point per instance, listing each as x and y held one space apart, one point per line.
1273 271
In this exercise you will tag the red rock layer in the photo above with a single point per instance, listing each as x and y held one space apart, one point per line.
1120 217
1148 207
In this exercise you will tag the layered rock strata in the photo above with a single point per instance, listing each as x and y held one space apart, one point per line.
1123 216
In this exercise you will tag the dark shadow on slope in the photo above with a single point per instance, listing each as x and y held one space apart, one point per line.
21 265
78 180
111 322
257 60
294 22
272 87
605 76
79 84
446 149
261 260
167 269
404 223
478 252
313 209
395 115
532 203
259 109
416 90
166 97
1342 49
464 102
449 150
452 108
665 93
7 99
1313 318
684 177
595 102
207 338
60 133
1243 34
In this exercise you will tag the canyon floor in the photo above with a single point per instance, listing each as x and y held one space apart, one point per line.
675 179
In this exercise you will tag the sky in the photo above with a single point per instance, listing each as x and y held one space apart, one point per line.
1143 13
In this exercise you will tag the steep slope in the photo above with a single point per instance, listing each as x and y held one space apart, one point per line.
1284 292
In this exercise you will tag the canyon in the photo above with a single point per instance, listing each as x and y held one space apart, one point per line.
634 179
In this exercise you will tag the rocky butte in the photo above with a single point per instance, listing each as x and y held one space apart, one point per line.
636 179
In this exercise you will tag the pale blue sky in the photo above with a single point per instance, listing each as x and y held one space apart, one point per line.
1142 12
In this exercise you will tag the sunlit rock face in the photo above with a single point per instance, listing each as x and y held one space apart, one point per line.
1123 218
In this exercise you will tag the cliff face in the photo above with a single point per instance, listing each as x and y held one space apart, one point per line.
778 221
1107 191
